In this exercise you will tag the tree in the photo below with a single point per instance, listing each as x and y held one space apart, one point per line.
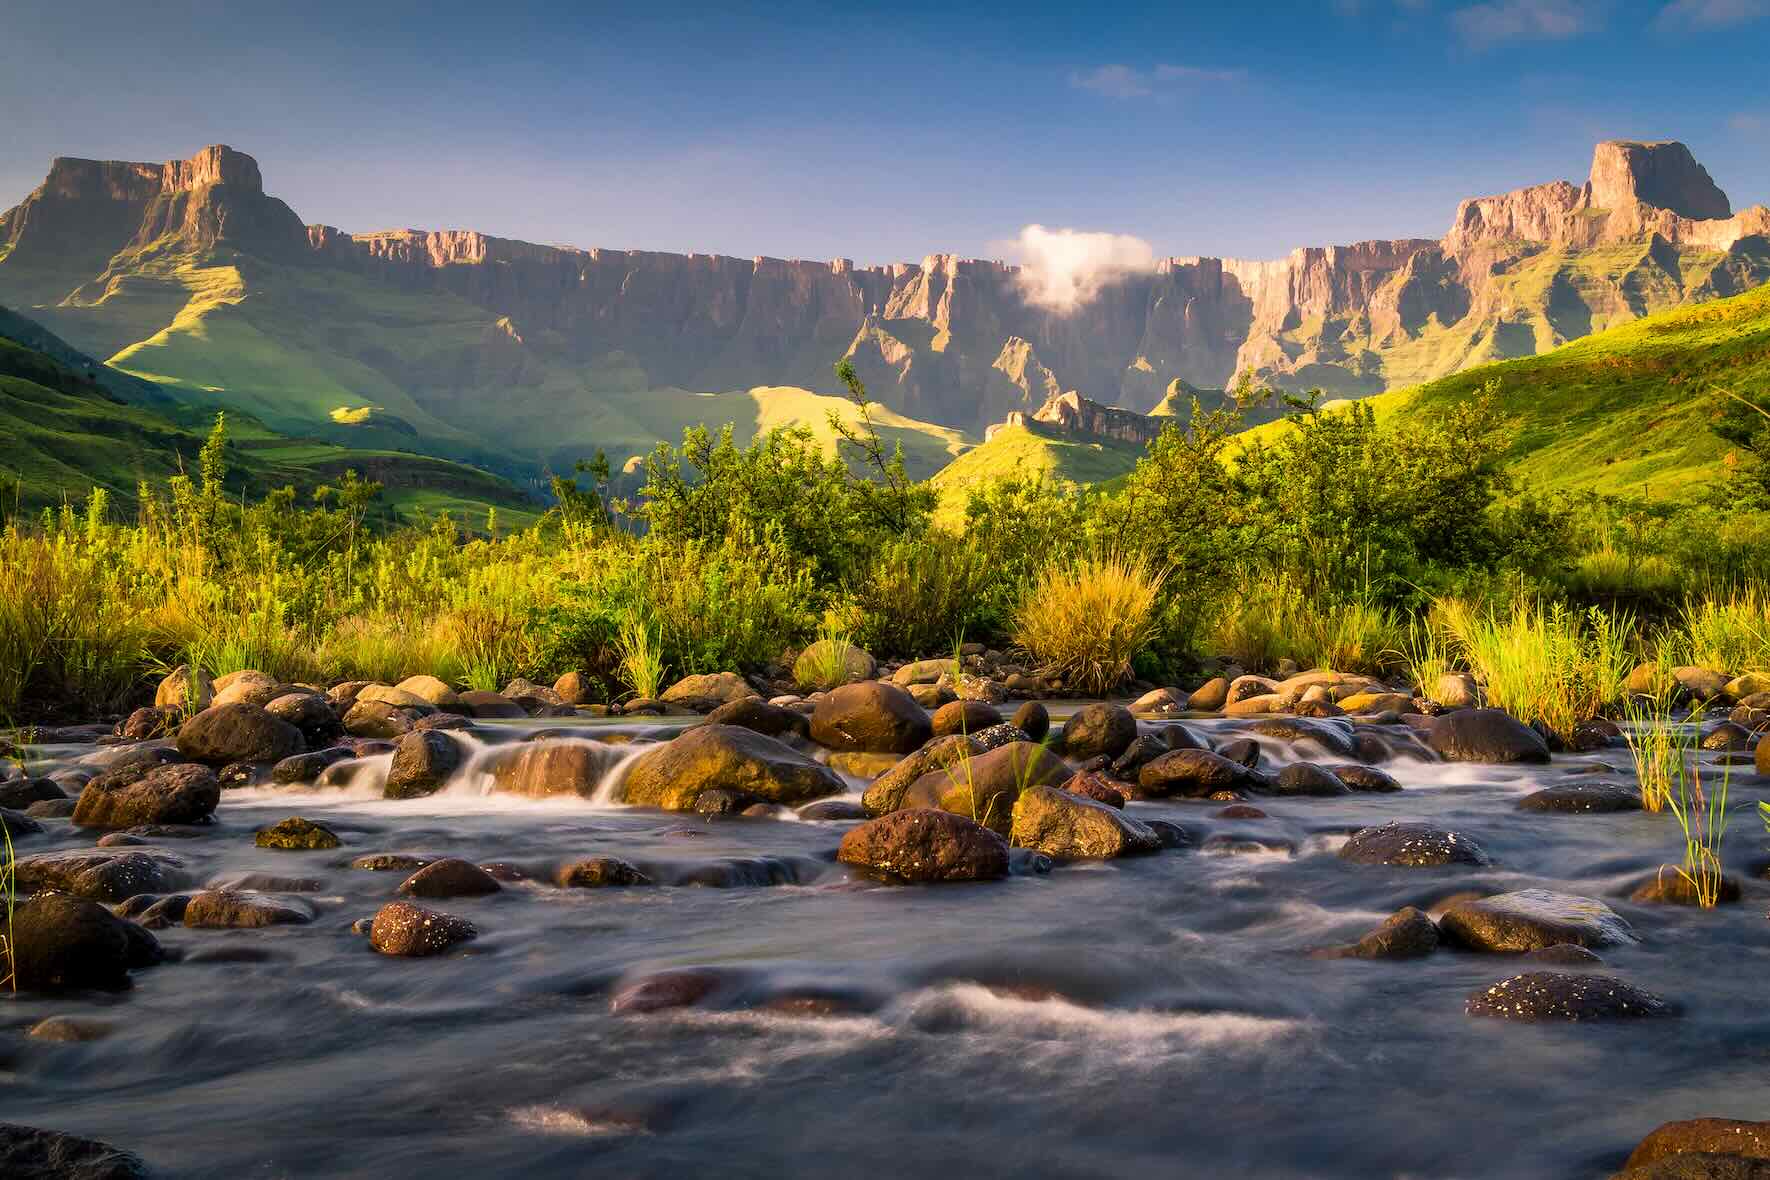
896 502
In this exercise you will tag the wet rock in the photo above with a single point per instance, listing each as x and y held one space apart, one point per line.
1728 736
739 872
51 809
1095 786
932 696
860 764
1485 735
264 883
1377 702
726 757
1532 919
71 1030
431 691
682 988
1099 729
1411 845
722 802
1246 844
997 736
411 931
1581 796
756 714
423 760
1735 1138
1365 779
926 845
1159 701
1171 834
181 792
886 792
184 691
1555 995
220 909
395 698
1066 825
309 712
149 723
1032 719
17 825
377 719
1144 749
1246 688
490 705
598 872
985 787
964 716
165 911
1242 751
307 768
1241 811
1334 737
830 810
559 766
870 716
1761 756
1210 696
394 862
29 1153
707 691
1669 886
1308 779
1196 774
62 943
296 834
21 793
103 875
238 732
574 688
450 877
1406 934
819 660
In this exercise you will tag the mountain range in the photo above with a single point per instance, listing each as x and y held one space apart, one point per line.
520 358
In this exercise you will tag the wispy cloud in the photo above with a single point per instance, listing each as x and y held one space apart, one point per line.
1064 269
1122 81
1704 15
1482 26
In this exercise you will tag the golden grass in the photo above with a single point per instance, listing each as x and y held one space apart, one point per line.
1085 621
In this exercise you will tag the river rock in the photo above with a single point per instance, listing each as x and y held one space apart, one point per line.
450 877
307 768
932 696
1556 995
1728 736
68 1030
1582 796
681 988
1099 729
833 811
178 793
726 757
1332 736
597 872
1365 779
62 943
297 834
411 931
21 793
1411 845
964 716
707 691
1032 719
309 712
221 909
1308 779
17 825
1196 774
1093 785
1406 934
1209 697
378 719
1064 824
886 792
870 716
924 845
249 687
1734 1138
815 664
423 760
756 714
489 705
1668 886
1485 735
147 724
862 765
179 689
1159 701
238 732
985 787
558 766
1144 749
29 1153
1531 919
102 875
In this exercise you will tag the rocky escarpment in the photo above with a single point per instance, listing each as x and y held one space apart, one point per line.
1075 416
947 340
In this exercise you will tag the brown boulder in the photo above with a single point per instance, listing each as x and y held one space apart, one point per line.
411 931
870 715
238 732
923 845
179 793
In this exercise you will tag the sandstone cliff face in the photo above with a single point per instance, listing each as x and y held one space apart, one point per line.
948 340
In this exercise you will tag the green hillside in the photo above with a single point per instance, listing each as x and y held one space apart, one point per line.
1626 409
1030 452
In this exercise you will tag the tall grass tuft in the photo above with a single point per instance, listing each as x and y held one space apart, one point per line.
8 897
824 664
1541 662
1085 620
642 661
68 633
1728 634
1273 620
1703 820
1659 745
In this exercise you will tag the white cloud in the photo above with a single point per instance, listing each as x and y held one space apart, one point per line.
1700 15
1062 270
1122 81
1482 26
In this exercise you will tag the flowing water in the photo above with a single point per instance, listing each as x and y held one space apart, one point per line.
1157 1015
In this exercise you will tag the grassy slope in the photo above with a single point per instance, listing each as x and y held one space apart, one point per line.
1623 410
1029 453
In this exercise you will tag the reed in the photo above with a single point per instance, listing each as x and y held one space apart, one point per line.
1702 818
642 662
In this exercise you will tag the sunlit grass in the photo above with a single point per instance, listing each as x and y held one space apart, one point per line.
1084 621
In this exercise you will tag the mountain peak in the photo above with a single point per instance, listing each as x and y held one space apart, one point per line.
1664 175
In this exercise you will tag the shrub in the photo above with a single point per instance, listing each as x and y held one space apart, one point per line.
1273 620
1086 620
1730 634
918 594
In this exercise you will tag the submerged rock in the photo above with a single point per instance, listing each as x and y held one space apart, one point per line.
1579 797
1669 886
1556 995
725 757
1485 735
411 931
1406 934
597 872
98 875
1196 774
681 988
924 845
30 1153
557 766
450 877
1532 919
297 834
220 909
1412 845
1735 1139
1308 779
423 760
1062 824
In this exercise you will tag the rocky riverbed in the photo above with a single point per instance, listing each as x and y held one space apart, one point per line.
849 934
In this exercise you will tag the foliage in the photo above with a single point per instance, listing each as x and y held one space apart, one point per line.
1273 619
917 593
1085 620
642 665
1702 818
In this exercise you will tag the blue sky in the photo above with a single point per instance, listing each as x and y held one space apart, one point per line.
823 131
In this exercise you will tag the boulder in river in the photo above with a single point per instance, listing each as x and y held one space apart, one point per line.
224 909
1582 796
1406 934
62 943
450 877
557 766
1559 995
682 987
174 793
985 787
21 793
923 845
708 690
1532 919
30 1153
492 706
1411 845
1066 825
1669 886
1032 719
726 757
238 732
1735 1139
599 872
423 760
1308 779
757 714
1210 696
871 715
185 691
1196 774
297 834
886 792
964 716
1099 729
309 712
100 874
1365 779
1485 735
411 931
